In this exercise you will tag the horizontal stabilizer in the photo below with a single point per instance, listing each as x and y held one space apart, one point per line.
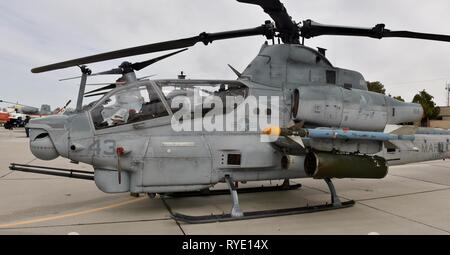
401 145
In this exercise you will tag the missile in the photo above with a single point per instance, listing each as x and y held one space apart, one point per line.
335 134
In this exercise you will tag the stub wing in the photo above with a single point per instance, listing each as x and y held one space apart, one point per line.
401 145
341 140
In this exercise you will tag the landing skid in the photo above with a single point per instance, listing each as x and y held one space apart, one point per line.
258 214
236 213
205 193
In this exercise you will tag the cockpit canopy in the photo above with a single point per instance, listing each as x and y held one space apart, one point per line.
147 100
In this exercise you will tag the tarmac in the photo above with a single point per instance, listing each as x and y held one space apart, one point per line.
412 199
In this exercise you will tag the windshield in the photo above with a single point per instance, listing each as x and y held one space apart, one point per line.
203 95
131 105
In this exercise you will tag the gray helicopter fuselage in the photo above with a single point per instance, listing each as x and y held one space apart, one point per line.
159 159
429 144
288 66
324 95
154 158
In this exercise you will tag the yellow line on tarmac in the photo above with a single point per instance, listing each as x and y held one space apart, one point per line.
58 217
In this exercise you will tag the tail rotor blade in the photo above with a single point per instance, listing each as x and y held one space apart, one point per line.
115 71
98 94
71 78
109 87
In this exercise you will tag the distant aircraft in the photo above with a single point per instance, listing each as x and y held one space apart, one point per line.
17 112
4 117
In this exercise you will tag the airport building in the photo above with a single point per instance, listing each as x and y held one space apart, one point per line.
443 120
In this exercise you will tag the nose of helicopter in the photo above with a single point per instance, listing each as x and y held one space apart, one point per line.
44 132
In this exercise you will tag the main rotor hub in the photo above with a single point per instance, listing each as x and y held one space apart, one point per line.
85 70
126 67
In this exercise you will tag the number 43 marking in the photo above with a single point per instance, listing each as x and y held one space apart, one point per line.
108 148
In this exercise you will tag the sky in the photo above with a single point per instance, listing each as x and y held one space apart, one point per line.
36 33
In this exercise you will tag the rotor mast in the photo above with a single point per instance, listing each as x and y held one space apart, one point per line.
85 72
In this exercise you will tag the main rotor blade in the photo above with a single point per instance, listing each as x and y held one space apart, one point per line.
111 86
288 29
110 72
206 38
141 65
416 35
312 29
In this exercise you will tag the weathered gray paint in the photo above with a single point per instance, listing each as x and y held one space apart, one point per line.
424 148
157 159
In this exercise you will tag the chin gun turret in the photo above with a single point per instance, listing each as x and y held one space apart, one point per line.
41 145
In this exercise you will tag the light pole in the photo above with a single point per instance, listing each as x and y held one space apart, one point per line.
447 87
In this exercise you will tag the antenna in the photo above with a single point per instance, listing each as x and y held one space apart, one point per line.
182 76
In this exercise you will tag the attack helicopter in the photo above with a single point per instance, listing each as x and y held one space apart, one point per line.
324 124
